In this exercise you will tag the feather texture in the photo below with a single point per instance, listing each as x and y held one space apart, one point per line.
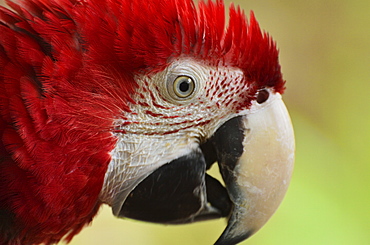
67 70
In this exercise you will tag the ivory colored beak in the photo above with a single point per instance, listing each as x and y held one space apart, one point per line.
260 178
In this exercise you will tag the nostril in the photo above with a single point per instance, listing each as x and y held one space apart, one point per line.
262 96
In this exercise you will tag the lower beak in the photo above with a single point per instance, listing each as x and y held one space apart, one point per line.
258 180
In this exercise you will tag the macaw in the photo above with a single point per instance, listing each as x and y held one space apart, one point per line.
129 104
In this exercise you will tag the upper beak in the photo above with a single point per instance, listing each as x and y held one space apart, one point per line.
255 154
258 180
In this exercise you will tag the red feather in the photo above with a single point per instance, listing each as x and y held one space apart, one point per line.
67 70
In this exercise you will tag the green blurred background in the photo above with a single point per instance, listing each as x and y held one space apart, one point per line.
325 57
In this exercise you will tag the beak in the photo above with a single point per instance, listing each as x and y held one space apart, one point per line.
255 154
258 180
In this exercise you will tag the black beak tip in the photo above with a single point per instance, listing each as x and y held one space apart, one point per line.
227 239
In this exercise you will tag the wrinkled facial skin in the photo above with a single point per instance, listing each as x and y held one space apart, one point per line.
166 126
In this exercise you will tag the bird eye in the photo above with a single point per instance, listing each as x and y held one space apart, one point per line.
183 87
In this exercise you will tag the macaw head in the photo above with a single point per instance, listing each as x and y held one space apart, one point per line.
130 103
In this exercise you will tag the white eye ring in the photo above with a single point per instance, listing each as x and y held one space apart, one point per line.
183 87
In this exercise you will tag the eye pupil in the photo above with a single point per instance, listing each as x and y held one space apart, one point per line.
184 86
